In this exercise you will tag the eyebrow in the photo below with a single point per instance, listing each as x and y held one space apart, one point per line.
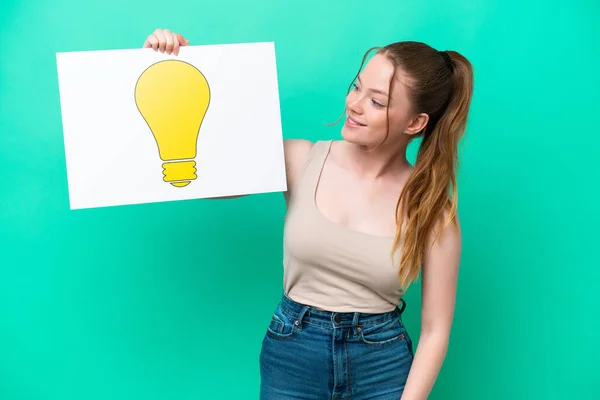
374 90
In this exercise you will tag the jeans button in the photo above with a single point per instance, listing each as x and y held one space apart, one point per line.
337 319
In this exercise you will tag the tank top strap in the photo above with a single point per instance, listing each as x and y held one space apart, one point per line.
310 173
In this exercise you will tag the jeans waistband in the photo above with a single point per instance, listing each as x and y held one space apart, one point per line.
303 312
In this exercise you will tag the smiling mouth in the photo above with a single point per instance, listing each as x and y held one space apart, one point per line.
354 122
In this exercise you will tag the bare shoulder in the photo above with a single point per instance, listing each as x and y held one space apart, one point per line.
297 148
296 153
448 237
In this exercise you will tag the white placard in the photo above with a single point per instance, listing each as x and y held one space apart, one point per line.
142 126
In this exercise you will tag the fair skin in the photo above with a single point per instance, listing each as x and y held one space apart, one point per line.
359 188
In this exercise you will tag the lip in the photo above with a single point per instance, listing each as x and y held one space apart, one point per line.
352 123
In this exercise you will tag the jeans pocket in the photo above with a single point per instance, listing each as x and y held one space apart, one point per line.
281 326
383 334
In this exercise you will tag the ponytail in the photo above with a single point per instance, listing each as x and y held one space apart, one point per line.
429 200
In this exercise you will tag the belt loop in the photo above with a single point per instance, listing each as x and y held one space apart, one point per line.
355 327
301 315
355 320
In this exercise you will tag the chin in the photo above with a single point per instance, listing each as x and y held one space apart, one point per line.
352 135
358 138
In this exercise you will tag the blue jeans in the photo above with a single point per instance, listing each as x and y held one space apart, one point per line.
311 354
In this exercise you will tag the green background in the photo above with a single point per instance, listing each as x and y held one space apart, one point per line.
171 300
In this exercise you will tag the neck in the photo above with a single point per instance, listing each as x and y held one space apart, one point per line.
374 163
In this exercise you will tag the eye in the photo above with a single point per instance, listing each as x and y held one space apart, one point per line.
377 104
355 86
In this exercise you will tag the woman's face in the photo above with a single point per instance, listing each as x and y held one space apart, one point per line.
368 101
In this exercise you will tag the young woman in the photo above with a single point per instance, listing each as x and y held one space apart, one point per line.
362 223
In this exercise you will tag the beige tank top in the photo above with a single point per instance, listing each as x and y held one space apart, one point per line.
329 266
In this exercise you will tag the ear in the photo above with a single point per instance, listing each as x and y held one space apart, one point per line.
417 124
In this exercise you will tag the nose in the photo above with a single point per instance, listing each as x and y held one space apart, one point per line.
354 104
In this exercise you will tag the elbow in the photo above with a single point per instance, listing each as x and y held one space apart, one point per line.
439 336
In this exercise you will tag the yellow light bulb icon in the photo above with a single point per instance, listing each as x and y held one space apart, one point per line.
173 97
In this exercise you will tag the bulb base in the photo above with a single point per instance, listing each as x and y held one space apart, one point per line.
179 173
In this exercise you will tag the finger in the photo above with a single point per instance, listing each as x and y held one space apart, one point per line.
162 40
175 45
169 38
182 41
152 41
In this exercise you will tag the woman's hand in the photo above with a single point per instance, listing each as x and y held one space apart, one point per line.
165 41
